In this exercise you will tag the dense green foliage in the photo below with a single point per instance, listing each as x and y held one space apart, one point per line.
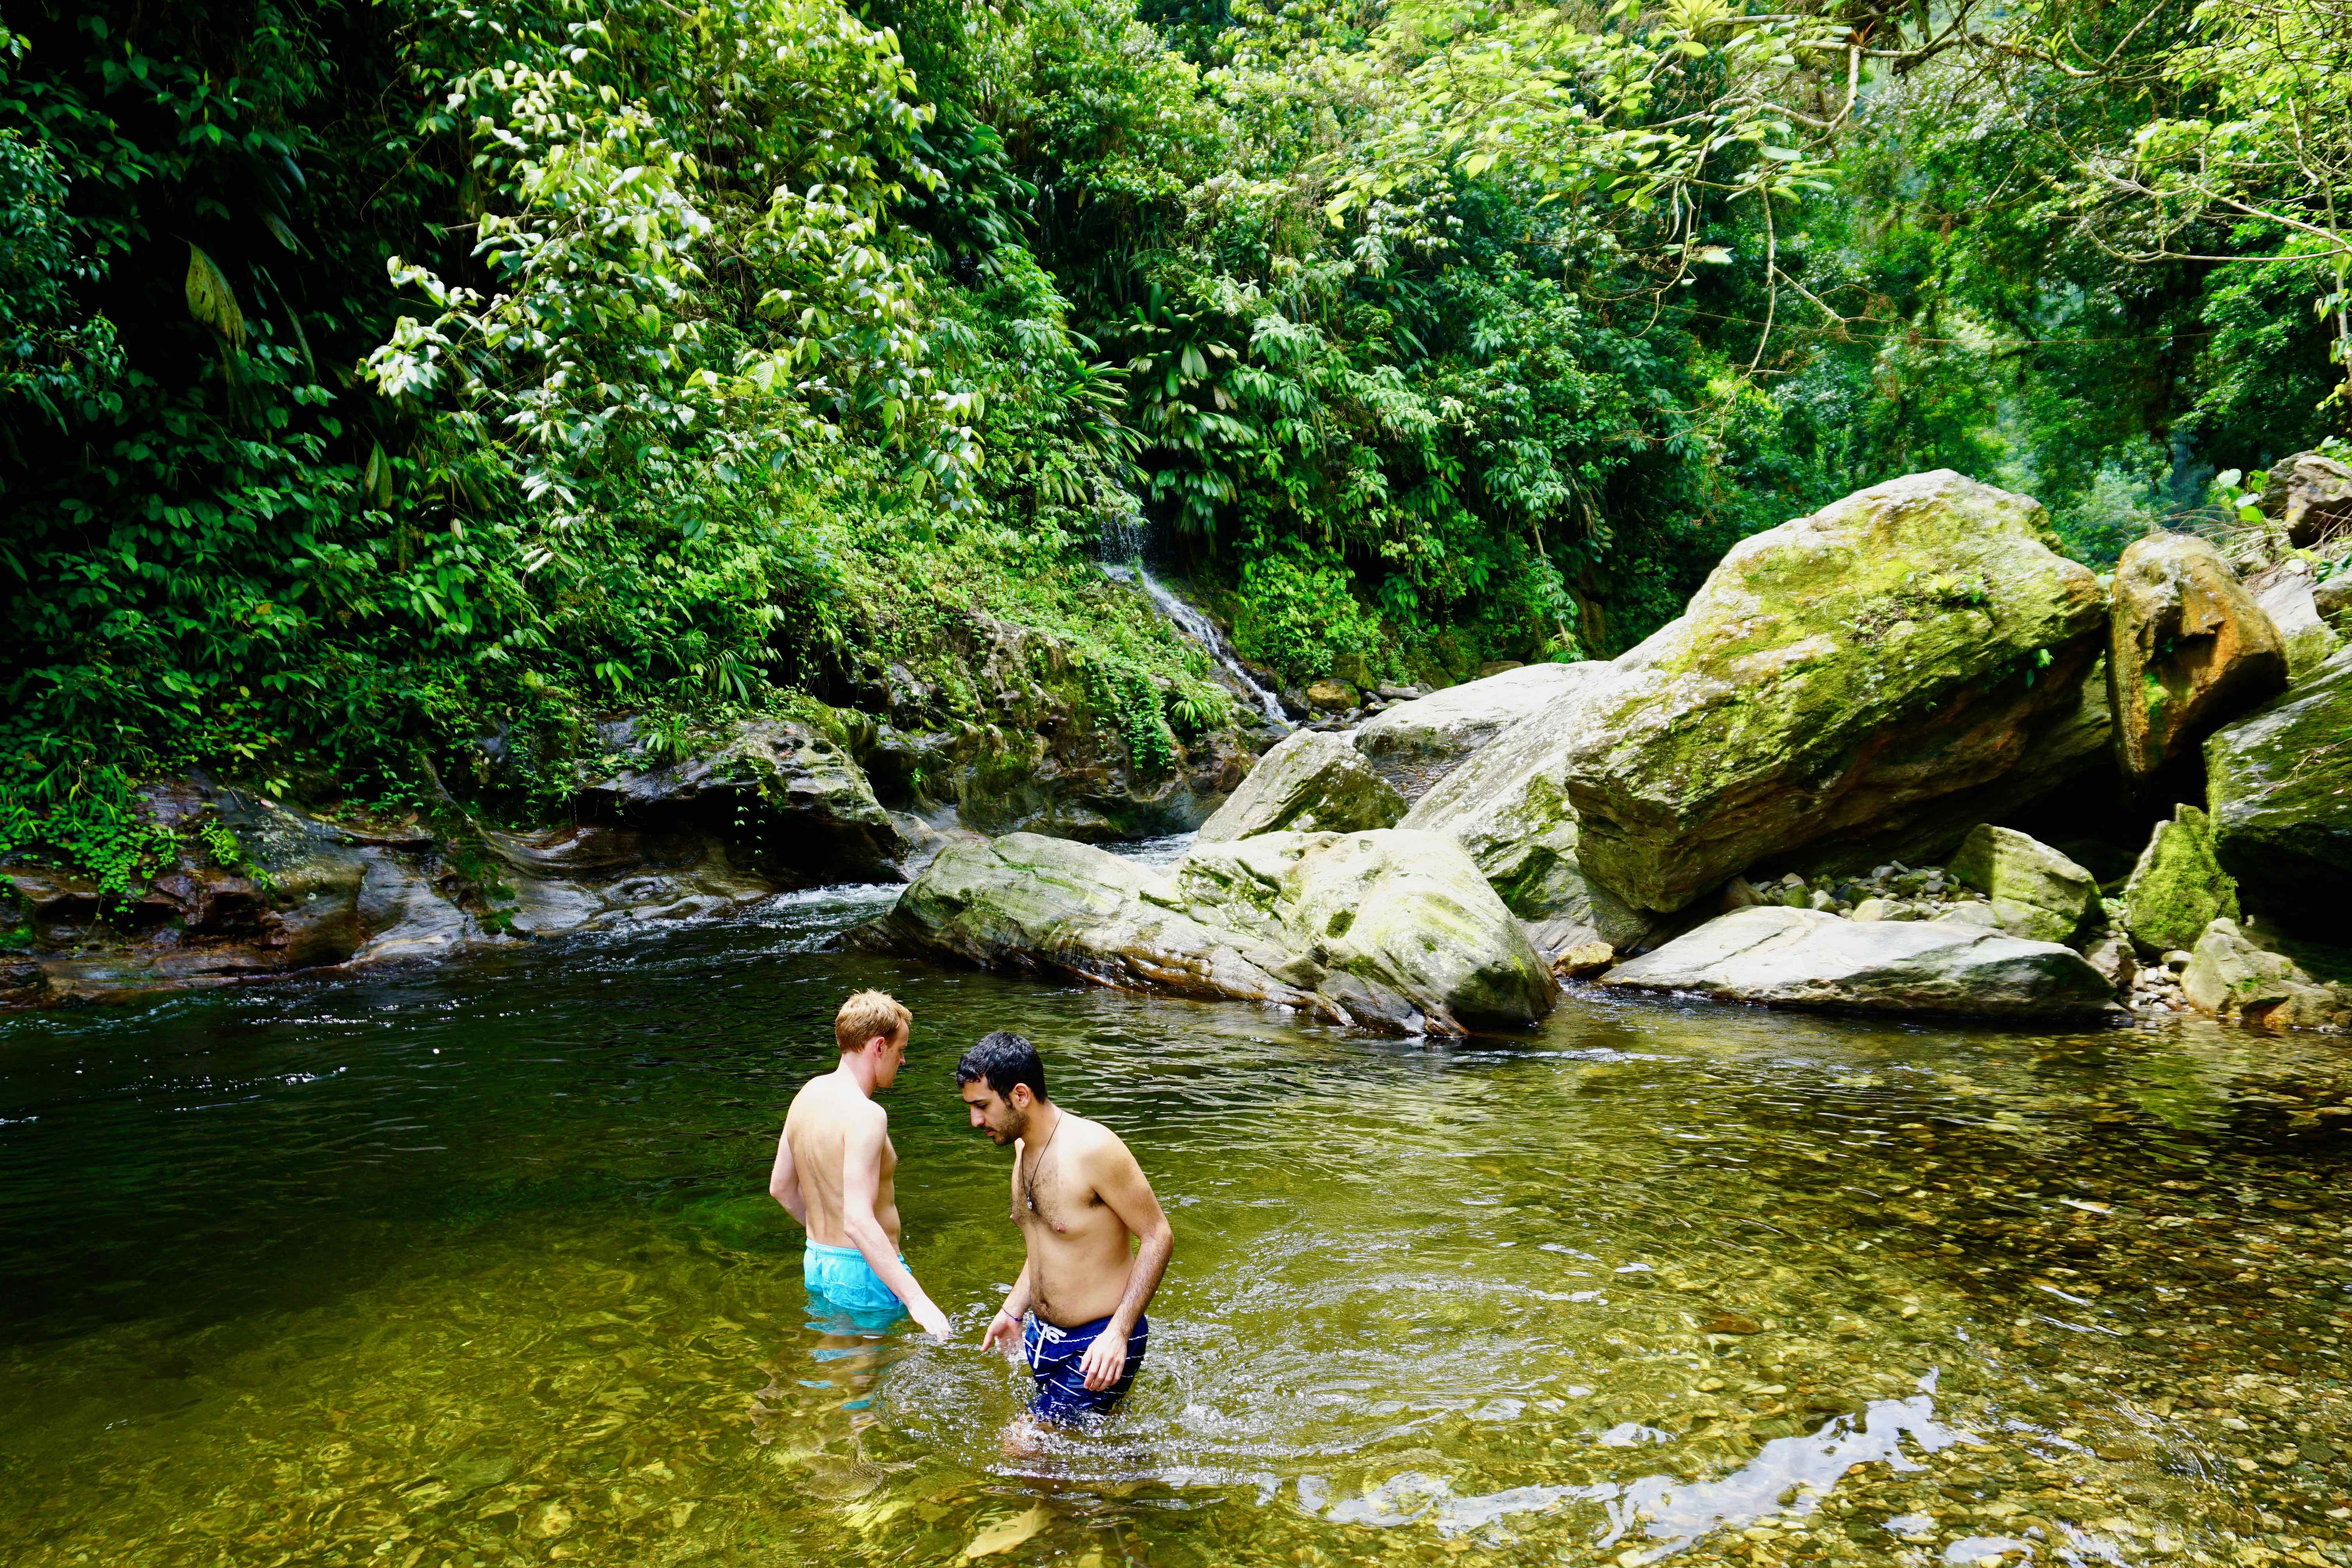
380 376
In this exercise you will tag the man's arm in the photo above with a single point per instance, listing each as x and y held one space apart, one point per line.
1006 1324
1119 1183
861 1179
785 1182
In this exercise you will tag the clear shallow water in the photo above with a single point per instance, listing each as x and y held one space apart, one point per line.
476 1266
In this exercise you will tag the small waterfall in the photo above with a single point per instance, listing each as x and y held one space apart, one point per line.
1123 536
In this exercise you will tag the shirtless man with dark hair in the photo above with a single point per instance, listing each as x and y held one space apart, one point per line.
1078 1196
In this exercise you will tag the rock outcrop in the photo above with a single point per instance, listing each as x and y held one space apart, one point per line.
2309 496
1311 781
2280 784
1803 958
1414 744
1379 929
2189 650
1836 676
2034 891
2177 887
2232 978
778 790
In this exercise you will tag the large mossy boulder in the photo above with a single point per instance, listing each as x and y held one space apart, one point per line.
1313 782
2190 650
1415 744
2288 596
1805 958
1508 807
1380 930
2036 891
2279 785
1836 676
2177 887
1400 927
2309 495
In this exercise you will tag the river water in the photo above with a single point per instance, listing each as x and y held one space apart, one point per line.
474 1264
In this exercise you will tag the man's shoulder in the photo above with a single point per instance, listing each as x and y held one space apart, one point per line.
1098 1140
823 1099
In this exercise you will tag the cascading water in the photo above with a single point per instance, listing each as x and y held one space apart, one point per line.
1122 558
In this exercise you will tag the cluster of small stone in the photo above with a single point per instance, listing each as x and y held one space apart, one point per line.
1337 705
2155 988
1894 891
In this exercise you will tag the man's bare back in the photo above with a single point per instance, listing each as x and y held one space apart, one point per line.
819 1129
836 1170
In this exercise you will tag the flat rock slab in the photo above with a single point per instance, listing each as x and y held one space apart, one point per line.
1805 958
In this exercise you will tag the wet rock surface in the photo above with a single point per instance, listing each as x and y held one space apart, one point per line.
1808 958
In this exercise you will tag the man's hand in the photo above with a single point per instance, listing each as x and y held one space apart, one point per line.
1006 1328
1105 1359
929 1319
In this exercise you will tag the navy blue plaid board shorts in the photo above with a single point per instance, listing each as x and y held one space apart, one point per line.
1063 1396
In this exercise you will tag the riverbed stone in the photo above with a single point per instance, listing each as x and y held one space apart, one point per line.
2280 783
2177 887
2189 651
2229 976
1400 925
1836 676
1311 781
2034 891
1803 958
1416 743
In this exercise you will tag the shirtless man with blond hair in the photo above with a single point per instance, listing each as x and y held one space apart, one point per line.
834 1165
1078 1196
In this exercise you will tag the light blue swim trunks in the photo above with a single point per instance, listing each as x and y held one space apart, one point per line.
840 1278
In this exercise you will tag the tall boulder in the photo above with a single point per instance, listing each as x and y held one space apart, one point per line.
1415 744
2280 784
1805 958
2036 893
2178 887
1837 675
2285 593
2310 497
1507 808
1312 782
2190 650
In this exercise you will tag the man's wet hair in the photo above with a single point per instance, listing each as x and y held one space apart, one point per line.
1001 1060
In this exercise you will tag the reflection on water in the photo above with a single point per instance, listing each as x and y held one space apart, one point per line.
477 1267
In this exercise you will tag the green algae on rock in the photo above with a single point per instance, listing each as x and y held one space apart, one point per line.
1312 782
2178 887
2280 784
1834 676
1806 958
2036 893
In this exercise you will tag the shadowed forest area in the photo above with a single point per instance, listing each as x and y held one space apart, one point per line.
383 377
